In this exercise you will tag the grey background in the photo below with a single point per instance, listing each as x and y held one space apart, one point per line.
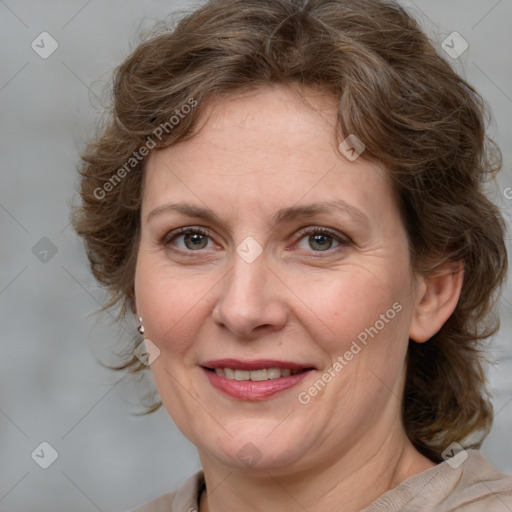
52 387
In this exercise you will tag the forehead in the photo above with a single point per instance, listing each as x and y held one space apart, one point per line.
268 149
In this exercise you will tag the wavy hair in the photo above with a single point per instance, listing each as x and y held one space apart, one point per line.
396 92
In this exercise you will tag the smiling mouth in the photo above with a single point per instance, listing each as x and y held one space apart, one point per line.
254 380
256 375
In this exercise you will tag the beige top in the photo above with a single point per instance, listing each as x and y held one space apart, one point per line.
470 485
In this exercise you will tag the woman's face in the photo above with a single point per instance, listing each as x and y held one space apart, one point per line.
250 286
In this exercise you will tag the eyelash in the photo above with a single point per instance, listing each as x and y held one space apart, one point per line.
316 230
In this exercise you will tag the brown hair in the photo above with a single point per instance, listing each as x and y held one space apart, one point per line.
413 112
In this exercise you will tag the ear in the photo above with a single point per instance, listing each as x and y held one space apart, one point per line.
436 299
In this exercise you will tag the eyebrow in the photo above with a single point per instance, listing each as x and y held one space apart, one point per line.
284 215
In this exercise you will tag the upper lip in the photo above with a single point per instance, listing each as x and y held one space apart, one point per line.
255 364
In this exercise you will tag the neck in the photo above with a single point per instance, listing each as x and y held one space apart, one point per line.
351 481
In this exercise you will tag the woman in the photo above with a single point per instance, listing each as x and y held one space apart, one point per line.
289 200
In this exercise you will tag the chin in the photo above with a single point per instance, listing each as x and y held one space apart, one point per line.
255 450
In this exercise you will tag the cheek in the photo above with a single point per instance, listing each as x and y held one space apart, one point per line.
171 302
343 306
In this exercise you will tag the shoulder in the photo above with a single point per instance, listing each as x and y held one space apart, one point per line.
480 487
465 483
185 499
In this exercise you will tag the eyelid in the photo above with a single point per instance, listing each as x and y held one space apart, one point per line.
314 229
342 239
175 233
183 230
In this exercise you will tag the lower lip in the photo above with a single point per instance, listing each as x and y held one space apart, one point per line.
254 390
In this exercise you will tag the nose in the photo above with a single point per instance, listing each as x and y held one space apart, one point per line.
251 300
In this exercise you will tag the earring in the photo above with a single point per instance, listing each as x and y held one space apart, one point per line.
141 327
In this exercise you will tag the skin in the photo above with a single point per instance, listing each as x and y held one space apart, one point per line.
254 155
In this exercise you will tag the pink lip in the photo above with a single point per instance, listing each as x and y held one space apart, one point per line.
257 364
257 390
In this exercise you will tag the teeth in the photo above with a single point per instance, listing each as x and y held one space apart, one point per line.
274 373
242 375
259 375
256 375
